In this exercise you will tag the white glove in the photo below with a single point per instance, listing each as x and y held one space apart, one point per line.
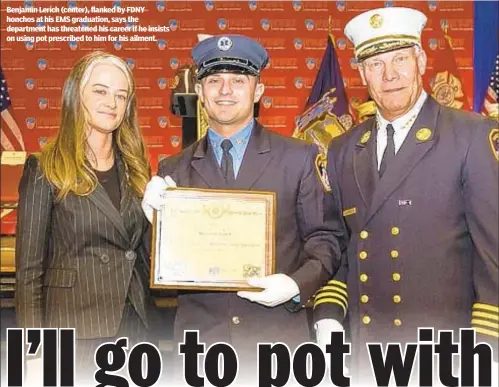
278 288
152 196
323 330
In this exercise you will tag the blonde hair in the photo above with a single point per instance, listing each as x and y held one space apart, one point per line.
64 160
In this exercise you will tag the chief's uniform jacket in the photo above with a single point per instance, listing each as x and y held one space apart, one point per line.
307 247
423 249
75 258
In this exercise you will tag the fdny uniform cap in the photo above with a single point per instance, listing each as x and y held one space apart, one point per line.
229 53
385 29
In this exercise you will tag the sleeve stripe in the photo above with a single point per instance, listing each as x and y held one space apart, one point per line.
339 283
333 288
485 315
485 324
330 301
332 294
487 332
487 307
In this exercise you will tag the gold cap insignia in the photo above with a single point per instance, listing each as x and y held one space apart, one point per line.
365 137
376 21
494 142
423 134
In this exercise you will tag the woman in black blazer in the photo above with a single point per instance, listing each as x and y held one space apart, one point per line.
82 238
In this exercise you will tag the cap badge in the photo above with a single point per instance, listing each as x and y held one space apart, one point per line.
224 43
423 134
376 21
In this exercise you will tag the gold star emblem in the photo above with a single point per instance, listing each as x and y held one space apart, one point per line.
239 141
423 134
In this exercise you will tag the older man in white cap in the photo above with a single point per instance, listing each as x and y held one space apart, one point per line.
419 186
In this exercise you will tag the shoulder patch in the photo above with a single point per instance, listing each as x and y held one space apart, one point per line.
494 142
321 169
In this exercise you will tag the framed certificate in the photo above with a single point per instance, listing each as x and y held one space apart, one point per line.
209 239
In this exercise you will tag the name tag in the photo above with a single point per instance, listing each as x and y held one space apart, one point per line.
405 202
350 211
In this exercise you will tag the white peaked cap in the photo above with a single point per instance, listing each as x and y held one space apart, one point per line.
385 29
202 37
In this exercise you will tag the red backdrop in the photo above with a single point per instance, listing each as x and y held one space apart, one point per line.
294 33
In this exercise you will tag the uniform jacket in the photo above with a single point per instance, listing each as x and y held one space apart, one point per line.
307 248
423 247
74 259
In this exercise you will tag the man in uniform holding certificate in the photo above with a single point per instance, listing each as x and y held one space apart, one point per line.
240 154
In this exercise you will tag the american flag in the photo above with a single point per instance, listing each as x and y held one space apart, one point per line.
7 119
491 102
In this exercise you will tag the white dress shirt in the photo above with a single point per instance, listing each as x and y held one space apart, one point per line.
401 126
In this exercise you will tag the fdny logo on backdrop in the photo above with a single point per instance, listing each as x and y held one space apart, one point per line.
298 83
71 4
162 83
42 103
340 6
209 5
297 5
432 5
30 122
174 63
353 64
29 45
388 4
444 24
117 4
42 141
30 84
175 141
342 44
40 24
433 44
42 63
160 6
118 45
131 63
163 122
297 43
310 63
73 45
84 24
28 4
222 24
267 102
173 24
265 23
309 24
161 44
252 5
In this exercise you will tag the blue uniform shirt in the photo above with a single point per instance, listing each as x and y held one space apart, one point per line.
239 143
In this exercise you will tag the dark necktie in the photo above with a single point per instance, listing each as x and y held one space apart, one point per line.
227 162
389 154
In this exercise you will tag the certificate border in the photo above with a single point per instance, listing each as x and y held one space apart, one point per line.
270 204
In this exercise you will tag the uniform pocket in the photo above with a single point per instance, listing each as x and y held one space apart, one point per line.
60 278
